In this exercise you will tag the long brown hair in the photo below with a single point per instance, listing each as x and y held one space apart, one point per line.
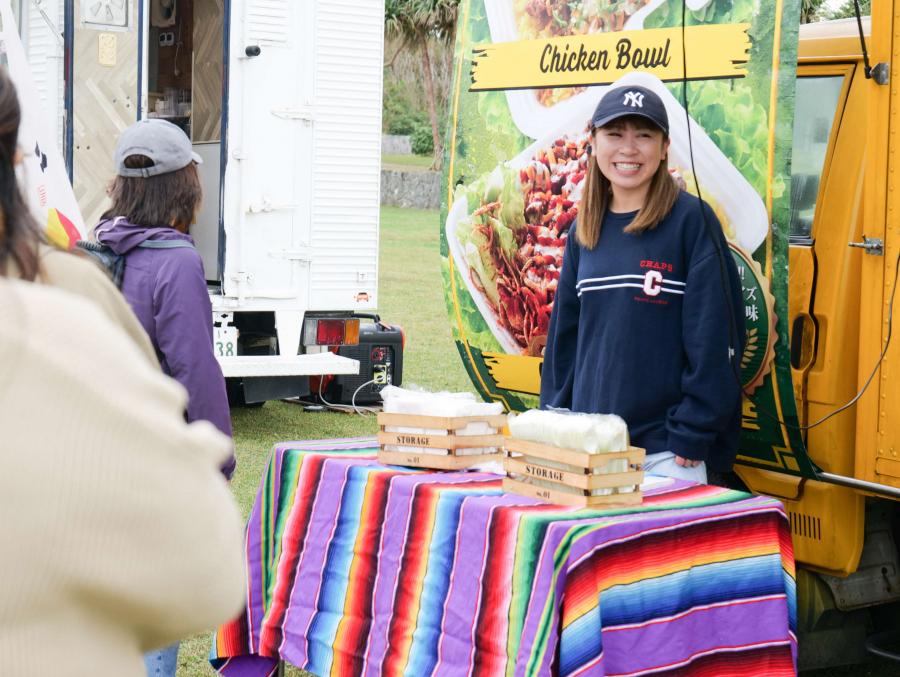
170 199
19 232
597 194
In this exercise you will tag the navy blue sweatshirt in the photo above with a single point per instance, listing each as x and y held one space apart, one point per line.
640 328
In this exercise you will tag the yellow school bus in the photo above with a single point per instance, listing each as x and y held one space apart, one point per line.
844 256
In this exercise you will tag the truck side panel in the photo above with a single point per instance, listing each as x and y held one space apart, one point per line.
304 139
878 426
347 154
267 190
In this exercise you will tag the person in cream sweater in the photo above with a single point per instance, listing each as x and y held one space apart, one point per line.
119 533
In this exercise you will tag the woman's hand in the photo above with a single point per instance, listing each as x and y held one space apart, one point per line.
686 462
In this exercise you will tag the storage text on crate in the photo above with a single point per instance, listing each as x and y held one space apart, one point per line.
413 440
544 473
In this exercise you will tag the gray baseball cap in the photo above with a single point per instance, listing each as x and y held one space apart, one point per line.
161 141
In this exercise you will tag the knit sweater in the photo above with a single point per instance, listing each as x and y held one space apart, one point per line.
119 533
83 277
650 327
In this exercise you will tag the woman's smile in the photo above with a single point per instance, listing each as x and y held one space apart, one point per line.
628 167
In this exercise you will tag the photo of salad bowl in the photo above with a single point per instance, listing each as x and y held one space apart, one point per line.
506 231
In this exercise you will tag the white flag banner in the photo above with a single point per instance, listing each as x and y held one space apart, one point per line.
43 177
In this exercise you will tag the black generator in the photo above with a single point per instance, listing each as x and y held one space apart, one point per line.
380 355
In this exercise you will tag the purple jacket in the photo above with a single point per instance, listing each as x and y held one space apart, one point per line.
167 291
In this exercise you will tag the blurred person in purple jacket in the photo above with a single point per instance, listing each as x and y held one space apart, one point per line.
155 197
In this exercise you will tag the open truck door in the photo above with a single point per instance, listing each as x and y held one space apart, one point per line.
269 139
303 157
108 87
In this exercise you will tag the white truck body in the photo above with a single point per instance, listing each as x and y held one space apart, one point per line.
291 147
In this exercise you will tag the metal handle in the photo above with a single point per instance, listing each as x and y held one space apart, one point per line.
872 245
265 205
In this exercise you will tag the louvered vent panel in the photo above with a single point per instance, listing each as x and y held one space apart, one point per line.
268 21
806 526
347 149
45 57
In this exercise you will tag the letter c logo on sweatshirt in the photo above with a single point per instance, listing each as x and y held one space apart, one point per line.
653 283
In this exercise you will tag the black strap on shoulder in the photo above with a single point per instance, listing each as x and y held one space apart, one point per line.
165 244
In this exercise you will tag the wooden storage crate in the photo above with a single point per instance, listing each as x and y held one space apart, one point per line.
576 483
451 441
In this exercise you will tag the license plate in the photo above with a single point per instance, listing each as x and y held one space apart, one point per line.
225 341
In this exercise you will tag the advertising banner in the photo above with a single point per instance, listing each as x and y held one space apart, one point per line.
527 76
43 176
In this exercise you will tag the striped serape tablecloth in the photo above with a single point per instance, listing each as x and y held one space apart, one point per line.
360 569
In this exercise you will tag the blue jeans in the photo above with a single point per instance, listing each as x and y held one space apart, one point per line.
162 662
664 464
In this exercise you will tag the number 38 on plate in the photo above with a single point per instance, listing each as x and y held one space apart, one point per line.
225 341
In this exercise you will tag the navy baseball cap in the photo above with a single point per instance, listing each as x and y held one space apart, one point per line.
164 143
622 101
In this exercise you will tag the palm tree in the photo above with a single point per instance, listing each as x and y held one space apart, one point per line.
809 10
414 22
847 9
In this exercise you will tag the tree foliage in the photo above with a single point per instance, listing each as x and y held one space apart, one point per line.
816 10
848 9
413 19
415 23
811 10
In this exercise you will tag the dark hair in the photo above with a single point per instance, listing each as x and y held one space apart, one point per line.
597 193
170 199
19 232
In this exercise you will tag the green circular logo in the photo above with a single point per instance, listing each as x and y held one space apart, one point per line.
759 318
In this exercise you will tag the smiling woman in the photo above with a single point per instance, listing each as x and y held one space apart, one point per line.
647 294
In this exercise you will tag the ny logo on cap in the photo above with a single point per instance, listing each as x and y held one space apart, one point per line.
634 99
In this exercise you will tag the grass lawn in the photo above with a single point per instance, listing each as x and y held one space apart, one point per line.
411 295
407 163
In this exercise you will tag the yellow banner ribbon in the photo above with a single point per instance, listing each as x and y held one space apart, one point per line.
519 373
713 51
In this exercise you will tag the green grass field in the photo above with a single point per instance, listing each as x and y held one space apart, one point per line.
411 295
407 163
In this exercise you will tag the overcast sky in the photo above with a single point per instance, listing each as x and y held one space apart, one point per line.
833 4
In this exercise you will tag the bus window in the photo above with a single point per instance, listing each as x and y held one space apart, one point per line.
814 108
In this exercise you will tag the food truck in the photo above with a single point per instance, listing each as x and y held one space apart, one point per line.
814 238
282 101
